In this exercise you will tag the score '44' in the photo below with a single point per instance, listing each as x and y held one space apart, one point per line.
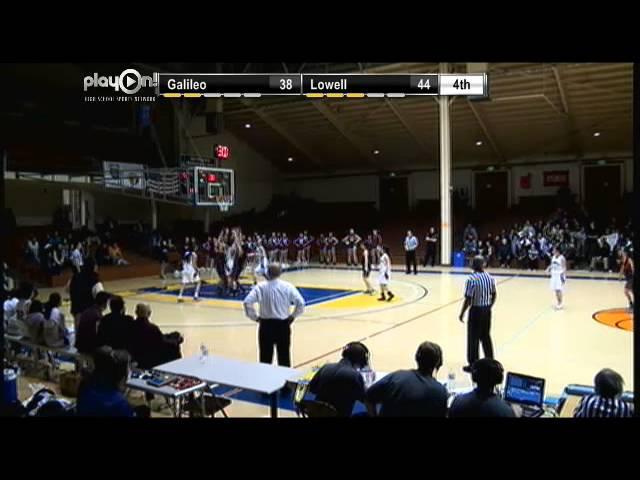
424 83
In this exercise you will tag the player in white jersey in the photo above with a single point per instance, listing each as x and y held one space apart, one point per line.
384 274
190 274
261 262
558 269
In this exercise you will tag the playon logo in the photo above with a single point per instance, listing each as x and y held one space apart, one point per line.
129 81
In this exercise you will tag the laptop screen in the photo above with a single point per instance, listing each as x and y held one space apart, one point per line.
524 390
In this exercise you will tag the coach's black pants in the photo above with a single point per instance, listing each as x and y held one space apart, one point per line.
411 260
430 254
274 332
478 331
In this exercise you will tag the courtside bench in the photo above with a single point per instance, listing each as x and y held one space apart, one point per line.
42 354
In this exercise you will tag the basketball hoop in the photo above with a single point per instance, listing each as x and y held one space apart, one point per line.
224 207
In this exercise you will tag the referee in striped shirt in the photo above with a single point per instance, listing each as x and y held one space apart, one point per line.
479 294
606 403
275 298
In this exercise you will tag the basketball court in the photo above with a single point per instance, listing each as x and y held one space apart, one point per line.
565 347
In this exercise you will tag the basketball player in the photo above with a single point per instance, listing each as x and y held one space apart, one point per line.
284 249
261 262
557 269
219 262
351 241
366 269
235 260
299 244
164 259
206 247
384 274
377 240
190 275
332 241
627 270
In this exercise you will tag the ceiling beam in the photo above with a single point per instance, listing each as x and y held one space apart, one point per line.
357 142
269 120
486 131
408 126
563 97
570 125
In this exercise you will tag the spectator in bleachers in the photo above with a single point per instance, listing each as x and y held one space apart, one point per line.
412 393
17 308
101 394
600 255
115 328
82 288
87 324
340 384
55 333
33 250
149 346
532 254
483 401
55 261
606 401
504 253
77 257
470 231
470 247
591 242
10 309
486 250
8 281
34 322
115 255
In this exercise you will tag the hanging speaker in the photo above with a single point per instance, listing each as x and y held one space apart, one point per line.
215 123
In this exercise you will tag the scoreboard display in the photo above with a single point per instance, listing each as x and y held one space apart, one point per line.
318 85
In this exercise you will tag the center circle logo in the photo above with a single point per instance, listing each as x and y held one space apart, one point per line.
124 85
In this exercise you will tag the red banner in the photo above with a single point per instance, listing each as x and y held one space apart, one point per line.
558 178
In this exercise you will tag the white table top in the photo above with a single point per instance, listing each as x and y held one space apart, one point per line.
257 377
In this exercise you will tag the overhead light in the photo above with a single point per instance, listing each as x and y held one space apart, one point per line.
290 159
247 125
393 174
376 152
596 134
491 168
479 143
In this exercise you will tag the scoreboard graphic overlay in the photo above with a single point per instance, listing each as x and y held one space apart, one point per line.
317 85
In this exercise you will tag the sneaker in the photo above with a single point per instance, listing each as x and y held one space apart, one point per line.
466 368
196 299
381 299
559 307
180 300
391 295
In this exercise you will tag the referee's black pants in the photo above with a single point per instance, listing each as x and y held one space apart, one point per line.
275 332
411 260
479 331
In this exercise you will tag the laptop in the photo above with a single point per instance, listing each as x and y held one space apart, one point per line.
525 391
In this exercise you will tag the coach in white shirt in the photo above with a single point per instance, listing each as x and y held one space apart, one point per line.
275 298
